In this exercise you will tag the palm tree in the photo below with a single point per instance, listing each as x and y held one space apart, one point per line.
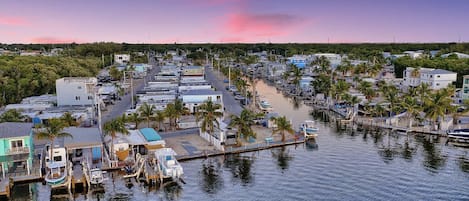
180 110
367 89
113 127
69 120
52 131
437 105
171 113
283 125
297 74
147 111
160 116
340 87
415 72
423 91
208 114
244 122
134 118
412 108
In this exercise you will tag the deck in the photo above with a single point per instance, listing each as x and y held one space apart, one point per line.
5 188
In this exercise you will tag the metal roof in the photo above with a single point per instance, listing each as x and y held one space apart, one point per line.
15 129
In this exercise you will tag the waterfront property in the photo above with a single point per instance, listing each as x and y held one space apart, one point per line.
16 148
434 78
122 58
194 98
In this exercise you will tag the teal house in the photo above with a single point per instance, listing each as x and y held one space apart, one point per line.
16 148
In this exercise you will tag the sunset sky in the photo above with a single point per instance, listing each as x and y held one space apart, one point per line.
225 21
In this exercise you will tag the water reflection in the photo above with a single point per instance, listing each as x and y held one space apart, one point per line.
311 144
283 157
172 190
240 167
433 158
463 163
211 172
296 102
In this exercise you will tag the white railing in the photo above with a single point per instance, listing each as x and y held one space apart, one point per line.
18 150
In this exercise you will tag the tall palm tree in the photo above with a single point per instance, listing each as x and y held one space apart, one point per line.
412 108
340 87
437 105
180 110
423 91
160 116
111 128
11 116
147 111
52 131
283 125
69 120
244 122
367 89
134 118
171 113
208 114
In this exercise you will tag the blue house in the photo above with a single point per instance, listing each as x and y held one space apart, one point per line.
299 61
16 147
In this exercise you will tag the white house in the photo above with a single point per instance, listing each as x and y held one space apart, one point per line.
194 98
414 54
122 58
435 78
334 59
75 91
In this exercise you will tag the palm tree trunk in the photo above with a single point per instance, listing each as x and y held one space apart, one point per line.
51 153
283 136
112 147
148 122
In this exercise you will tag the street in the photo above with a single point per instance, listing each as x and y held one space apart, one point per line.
232 106
121 106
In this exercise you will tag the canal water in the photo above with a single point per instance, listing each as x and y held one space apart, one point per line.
342 164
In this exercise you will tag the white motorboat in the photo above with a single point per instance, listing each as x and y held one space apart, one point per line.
309 129
56 174
459 134
96 176
169 166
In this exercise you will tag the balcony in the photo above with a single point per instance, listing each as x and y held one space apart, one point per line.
18 150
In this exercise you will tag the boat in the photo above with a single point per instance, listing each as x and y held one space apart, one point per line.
265 106
169 166
459 134
56 165
309 129
56 174
96 176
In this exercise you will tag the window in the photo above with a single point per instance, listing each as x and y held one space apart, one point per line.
79 87
77 97
209 98
438 76
57 158
16 143
90 97
437 84
218 98
431 76
466 81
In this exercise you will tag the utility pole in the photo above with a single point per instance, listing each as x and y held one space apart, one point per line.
229 77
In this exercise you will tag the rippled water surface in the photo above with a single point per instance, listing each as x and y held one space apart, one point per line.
339 165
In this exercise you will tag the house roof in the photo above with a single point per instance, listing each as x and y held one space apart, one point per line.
15 129
82 138
440 71
203 92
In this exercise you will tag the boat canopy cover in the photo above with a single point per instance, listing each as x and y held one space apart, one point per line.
150 134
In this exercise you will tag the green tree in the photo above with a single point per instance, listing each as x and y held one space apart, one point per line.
244 122
437 105
147 111
367 89
208 114
135 119
52 131
115 73
12 115
160 116
180 110
69 119
410 104
111 128
171 113
283 125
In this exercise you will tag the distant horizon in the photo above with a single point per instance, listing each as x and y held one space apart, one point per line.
234 21
253 43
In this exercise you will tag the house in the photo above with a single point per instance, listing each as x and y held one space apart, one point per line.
334 59
121 58
414 54
194 98
465 87
300 61
276 69
86 144
457 54
16 147
435 78
76 91
192 74
305 82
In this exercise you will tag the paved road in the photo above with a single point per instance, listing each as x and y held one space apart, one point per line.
178 133
121 106
232 106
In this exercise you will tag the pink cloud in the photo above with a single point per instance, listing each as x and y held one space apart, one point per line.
262 24
13 21
54 40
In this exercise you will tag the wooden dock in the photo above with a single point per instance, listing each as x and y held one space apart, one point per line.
5 185
238 150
